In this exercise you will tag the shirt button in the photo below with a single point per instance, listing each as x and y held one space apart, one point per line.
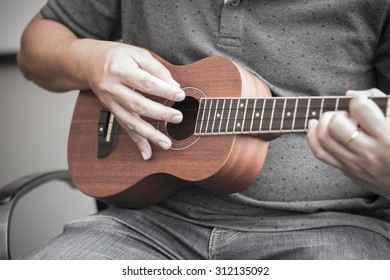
235 3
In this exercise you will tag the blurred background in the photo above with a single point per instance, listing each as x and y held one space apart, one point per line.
34 126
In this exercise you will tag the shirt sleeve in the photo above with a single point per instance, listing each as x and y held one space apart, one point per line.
97 19
382 59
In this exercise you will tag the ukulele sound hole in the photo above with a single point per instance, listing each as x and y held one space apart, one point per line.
189 108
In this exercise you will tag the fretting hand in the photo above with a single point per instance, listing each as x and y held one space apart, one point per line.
358 142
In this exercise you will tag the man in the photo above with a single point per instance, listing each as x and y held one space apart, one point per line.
299 207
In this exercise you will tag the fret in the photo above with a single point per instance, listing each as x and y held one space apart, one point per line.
295 114
272 115
240 114
208 113
314 109
214 114
322 107
284 109
330 104
251 104
232 115
307 114
300 113
227 103
382 103
336 108
262 115
267 114
277 114
289 114
248 117
218 115
388 109
200 118
343 104
257 115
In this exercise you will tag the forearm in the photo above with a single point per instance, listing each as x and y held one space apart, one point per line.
52 56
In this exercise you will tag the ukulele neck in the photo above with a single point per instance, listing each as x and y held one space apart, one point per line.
219 116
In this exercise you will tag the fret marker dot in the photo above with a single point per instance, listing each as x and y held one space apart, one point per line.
218 115
239 124
288 114
314 113
242 105
257 115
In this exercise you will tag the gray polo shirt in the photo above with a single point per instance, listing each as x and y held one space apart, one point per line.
299 48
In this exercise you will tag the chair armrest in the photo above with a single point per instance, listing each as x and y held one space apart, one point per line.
12 192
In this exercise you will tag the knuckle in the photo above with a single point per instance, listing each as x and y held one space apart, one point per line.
147 84
354 169
141 108
371 158
101 87
322 138
113 69
376 92
166 114
162 71
336 123
143 52
320 154
138 140
150 135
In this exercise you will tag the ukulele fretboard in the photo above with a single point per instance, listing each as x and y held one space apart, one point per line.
268 115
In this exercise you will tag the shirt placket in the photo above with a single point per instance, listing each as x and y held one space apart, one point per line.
231 23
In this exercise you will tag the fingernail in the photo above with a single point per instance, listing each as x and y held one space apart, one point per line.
164 145
145 156
312 123
363 98
173 82
177 118
180 96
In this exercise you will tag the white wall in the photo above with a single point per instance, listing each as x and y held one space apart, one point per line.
34 128
14 16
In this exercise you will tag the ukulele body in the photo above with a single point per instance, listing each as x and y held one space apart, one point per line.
220 163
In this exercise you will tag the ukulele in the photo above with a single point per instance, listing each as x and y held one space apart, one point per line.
229 116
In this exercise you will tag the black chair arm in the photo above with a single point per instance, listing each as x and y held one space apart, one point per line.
12 192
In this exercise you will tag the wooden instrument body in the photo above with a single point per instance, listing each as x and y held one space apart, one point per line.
222 163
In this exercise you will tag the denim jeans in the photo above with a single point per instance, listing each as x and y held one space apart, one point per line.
147 234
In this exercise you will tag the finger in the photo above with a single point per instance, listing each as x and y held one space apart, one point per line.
147 83
146 107
133 123
374 92
344 130
151 65
369 116
330 134
340 128
316 147
142 144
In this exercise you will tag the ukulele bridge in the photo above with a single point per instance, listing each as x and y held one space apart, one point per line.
107 133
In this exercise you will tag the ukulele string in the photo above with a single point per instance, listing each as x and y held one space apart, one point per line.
228 125
233 113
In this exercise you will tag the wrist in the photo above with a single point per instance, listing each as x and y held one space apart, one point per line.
90 55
